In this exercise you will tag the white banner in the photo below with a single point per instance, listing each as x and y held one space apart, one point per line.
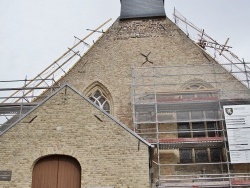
237 119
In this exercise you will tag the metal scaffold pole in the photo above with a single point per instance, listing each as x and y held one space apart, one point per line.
23 99
190 95
39 76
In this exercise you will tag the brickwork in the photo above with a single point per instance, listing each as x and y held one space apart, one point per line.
122 47
69 125
110 60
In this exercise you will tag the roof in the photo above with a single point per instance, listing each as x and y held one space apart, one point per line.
142 9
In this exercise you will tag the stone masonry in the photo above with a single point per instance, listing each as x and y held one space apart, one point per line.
67 124
110 59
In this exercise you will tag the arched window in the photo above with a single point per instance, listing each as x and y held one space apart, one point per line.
198 122
100 100
197 89
100 95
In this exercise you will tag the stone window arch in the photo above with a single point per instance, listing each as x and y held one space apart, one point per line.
101 96
196 84
198 89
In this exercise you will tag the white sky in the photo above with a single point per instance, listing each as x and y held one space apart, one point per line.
34 33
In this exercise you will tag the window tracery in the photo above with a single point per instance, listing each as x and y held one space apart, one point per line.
100 95
100 100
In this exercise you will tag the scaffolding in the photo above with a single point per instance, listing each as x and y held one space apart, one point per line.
220 52
179 109
18 97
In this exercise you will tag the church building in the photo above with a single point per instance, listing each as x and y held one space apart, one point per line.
144 107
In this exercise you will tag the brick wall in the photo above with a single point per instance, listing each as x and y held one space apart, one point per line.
110 60
67 124
109 63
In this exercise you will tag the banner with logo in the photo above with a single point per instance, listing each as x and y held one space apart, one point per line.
237 119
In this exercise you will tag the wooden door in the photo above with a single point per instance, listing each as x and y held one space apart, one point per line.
69 173
56 172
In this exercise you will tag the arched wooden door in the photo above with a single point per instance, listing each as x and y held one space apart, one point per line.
57 171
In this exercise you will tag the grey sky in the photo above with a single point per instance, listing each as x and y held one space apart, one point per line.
33 34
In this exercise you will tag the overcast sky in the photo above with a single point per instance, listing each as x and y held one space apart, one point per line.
34 33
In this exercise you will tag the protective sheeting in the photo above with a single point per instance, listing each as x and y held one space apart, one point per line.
142 9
